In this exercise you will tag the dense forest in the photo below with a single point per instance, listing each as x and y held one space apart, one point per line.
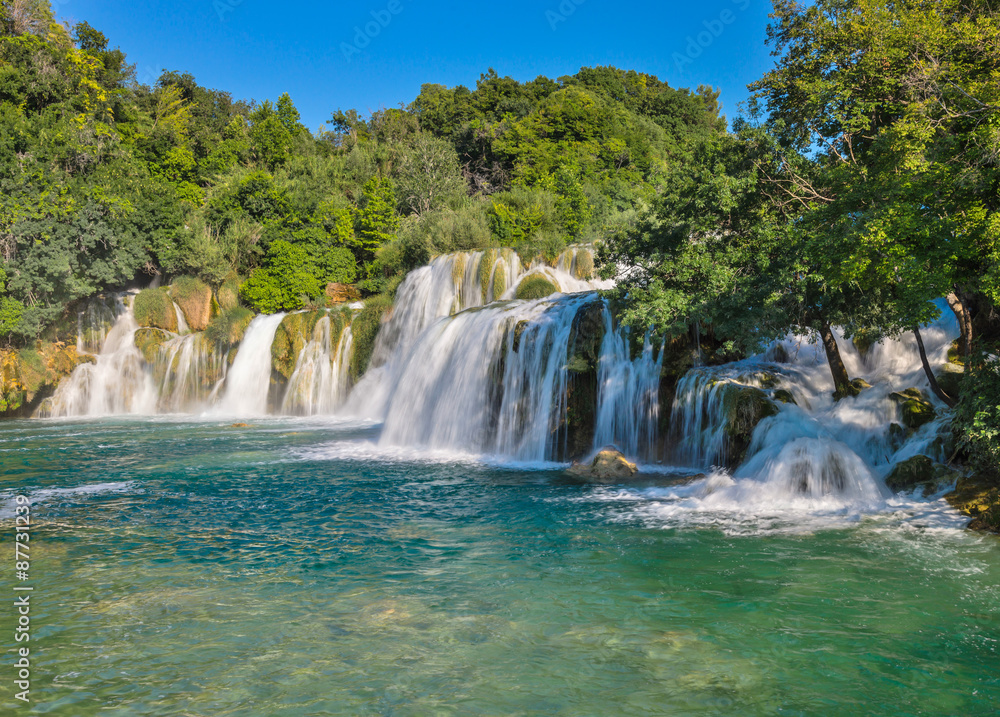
860 187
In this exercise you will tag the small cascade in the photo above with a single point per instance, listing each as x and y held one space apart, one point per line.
320 381
628 408
249 379
187 369
182 324
119 380
94 321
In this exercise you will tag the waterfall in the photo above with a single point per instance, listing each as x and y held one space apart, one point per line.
628 408
119 380
320 381
249 379
188 370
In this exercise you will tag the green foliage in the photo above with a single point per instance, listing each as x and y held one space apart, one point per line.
376 220
283 283
229 326
977 416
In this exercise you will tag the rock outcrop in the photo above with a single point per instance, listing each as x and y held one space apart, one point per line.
608 466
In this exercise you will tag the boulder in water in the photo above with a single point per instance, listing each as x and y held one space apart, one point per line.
916 409
854 388
608 466
920 472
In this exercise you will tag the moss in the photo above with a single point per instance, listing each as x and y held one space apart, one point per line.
149 341
583 267
194 297
365 329
744 407
458 270
229 326
979 498
854 388
486 263
916 409
155 309
920 472
32 370
950 379
499 280
768 380
955 354
228 294
519 329
293 333
535 286
784 395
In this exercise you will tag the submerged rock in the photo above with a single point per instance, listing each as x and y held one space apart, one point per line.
784 395
915 407
920 472
608 466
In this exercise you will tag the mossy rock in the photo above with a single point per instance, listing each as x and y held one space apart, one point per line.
854 388
784 395
194 298
897 436
768 380
293 333
535 286
149 341
519 328
228 295
364 329
744 408
608 466
499 280
228 327
979 498
486 263
583 265
920 472
950 379
955 357
916 409
154 308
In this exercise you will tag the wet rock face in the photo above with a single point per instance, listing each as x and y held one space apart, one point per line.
148 341
920 472
341 294
195 300
744 408
916 409
608 466
979 498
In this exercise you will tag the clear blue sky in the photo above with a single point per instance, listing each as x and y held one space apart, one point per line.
257 50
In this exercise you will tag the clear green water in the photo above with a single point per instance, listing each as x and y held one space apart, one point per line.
197 569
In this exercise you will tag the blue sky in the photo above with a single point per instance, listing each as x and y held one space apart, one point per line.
376 53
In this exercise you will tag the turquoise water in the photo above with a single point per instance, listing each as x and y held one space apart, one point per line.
292 568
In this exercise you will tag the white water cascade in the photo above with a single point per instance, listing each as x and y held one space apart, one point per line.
189 373
319 384
249 379
117 382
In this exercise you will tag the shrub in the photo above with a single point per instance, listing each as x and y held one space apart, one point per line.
154 308
364 330
229 326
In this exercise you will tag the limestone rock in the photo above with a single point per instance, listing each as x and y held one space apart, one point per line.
608 466
979 498
341 294
744 407
195 300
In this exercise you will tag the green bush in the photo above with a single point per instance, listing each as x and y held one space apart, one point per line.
977 416
154 308
228 327
283 283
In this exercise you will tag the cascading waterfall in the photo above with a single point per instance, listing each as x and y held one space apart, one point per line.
628 408
320 381
117 382
188 371
249 379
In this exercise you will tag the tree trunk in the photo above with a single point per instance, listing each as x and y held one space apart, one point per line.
964 324
841 381
938 391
